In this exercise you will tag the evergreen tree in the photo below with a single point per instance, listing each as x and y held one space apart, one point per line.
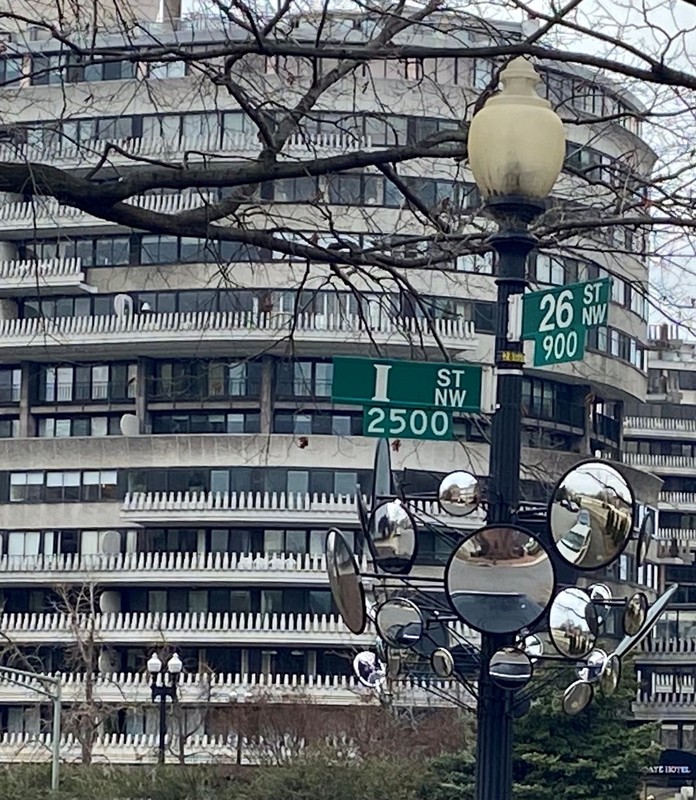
599 753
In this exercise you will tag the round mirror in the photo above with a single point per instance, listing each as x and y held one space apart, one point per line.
599 593
363 514
628 643
499 579
573 623
532 646
591 515
611 674
400 623
459 493
368 669
647 531
591 670
635 613
392 537
442 662
577 697
510 668
344 580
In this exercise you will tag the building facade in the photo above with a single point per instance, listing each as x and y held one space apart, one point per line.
170 458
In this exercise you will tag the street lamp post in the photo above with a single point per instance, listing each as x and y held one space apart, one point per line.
516 151
163 689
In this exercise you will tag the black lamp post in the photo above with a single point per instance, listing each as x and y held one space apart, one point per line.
164 681
516 151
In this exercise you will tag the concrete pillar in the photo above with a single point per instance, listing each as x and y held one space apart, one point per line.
266 396
141 384
27 424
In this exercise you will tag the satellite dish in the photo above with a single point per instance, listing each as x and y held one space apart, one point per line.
111 543
105 662
123 305
130 425
110 602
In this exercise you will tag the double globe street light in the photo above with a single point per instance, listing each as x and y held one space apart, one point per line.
164 681
512 582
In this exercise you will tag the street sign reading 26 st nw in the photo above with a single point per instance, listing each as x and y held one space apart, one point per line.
557 319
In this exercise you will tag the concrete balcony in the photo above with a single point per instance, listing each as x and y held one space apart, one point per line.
43 215
188 629
226 333
50 276
187 508
660 427
660 463
219 688
74 155
164 569
665 706
675 650
677 501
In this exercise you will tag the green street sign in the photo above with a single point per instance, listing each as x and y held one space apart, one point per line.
406 384
407 423
557 319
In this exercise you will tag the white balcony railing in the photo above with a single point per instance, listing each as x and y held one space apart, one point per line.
682 536
47 211
190 627
197 327
134 688
220 688
159 567
168 148
54 274
677 500
295 506
659 461
660 424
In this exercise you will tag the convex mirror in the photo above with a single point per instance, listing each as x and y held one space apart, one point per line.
591 515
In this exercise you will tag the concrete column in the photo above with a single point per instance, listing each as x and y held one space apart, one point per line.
27 425
141 382
266 396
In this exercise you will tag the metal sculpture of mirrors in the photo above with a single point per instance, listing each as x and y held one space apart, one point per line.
499 580
591 515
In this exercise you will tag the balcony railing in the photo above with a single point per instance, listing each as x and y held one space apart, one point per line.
198 327
167 148
47 211
659 461
163 567
677 500
191 628
217 687
660 424
48 275
298 507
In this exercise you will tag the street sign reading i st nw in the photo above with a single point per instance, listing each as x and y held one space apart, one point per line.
411 399
557 319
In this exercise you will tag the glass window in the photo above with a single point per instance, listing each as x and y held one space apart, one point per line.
345 483
323 379
297 481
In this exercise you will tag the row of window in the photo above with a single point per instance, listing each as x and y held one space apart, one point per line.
215 601
612 342
93 486
225 659
563 91
660 448
268 541
370 309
